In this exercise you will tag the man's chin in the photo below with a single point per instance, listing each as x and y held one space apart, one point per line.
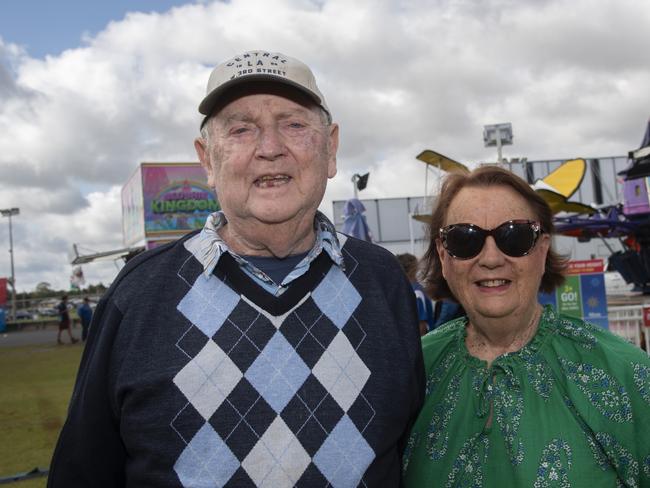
275 219
279 214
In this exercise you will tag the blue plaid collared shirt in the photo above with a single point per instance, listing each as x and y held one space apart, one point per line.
208 247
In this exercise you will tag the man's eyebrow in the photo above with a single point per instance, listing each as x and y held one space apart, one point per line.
245 117
293 112
238 117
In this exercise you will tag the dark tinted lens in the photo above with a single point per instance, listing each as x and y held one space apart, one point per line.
465 241
514 238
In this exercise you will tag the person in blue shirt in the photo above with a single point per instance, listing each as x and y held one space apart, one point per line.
85 314
446 310
425 306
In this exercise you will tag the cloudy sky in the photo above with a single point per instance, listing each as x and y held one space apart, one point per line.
86 94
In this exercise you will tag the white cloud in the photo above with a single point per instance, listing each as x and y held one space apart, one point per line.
398 76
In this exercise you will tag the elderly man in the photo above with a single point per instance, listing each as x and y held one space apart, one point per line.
266 350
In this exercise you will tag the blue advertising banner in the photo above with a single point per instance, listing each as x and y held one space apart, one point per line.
583 294
594 299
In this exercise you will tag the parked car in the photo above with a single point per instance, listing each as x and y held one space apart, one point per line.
47 312
24 315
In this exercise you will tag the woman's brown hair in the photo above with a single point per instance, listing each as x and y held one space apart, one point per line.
487 176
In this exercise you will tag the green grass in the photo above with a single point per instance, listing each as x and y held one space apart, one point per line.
36 386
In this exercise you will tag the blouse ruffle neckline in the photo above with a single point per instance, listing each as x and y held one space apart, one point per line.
545 329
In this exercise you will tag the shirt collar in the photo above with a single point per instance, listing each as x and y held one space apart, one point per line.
208 246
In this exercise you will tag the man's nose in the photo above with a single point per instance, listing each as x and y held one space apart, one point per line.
270 145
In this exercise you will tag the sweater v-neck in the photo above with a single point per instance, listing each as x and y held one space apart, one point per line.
229 271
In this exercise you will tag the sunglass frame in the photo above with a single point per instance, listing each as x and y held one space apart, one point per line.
534 225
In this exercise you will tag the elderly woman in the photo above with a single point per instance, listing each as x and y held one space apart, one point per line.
517 395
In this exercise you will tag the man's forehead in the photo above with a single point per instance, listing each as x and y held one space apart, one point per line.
249 106
260 94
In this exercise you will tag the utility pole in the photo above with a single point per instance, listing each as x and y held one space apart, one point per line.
8 212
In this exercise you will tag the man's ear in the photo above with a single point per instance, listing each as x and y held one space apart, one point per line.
333 146
204 157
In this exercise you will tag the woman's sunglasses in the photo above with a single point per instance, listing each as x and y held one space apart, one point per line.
516 238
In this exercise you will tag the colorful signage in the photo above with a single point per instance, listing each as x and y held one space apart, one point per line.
583 293
586 266
569 297
163 201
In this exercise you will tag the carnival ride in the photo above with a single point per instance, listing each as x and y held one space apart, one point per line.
627 221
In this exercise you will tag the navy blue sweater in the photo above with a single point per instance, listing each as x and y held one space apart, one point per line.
190 380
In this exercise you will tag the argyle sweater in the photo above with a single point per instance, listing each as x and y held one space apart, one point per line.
190 380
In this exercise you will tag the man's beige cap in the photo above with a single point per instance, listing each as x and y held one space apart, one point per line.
260 66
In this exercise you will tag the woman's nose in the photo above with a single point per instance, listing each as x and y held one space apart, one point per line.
491 255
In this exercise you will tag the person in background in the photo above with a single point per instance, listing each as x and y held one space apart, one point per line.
85 313
517 394
446 310
64 321
264 350
409 264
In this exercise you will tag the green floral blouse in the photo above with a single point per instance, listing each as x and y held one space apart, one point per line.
570 409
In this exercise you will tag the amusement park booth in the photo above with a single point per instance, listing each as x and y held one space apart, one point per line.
164 201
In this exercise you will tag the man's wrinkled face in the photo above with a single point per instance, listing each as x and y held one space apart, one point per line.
269 156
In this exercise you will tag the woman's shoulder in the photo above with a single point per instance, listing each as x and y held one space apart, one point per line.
591 339
445 331
446 336
578 341
601 371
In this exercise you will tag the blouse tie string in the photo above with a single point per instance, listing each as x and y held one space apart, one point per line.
492 380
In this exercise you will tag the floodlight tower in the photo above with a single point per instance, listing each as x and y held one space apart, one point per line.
497 135
360 182
9 212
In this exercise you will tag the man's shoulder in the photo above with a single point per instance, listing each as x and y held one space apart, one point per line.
154 263
371 262
363 249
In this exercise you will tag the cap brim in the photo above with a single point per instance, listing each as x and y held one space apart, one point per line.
208 103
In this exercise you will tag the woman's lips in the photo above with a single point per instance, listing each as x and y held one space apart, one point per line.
492 283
